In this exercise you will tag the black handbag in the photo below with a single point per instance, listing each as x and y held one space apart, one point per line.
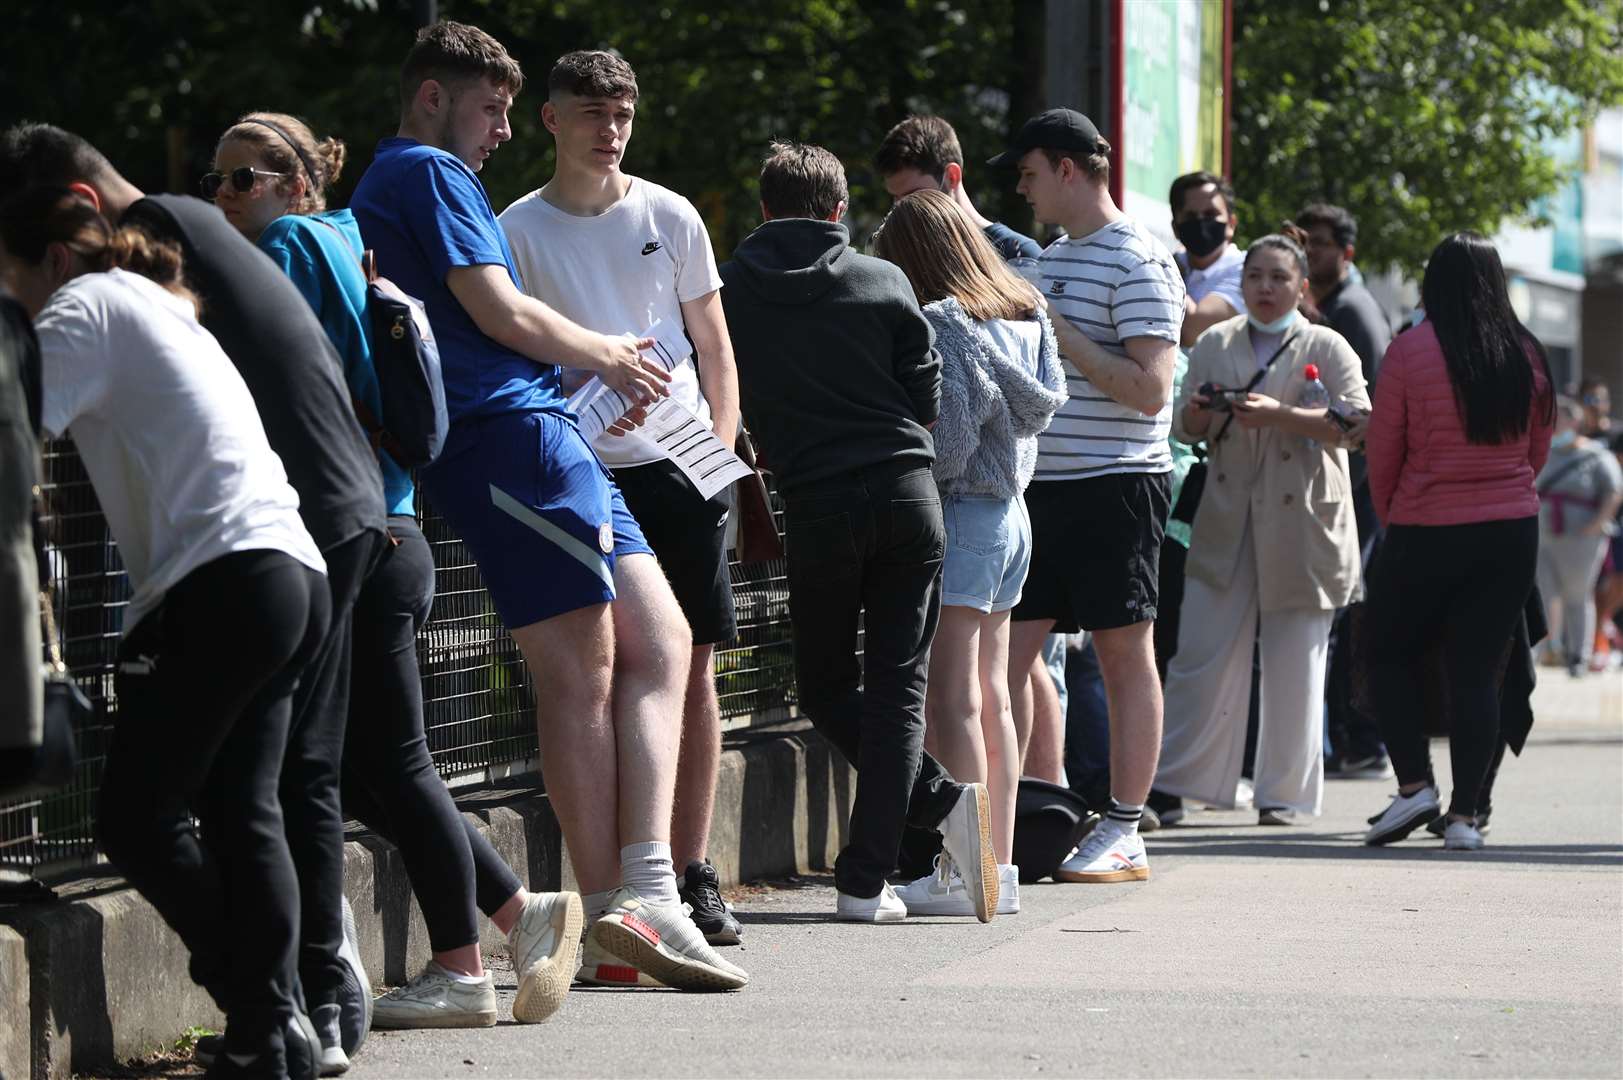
26 772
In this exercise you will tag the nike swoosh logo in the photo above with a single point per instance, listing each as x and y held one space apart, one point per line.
651 247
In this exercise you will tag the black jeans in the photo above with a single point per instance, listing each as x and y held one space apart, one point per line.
390 783
870 545
310 774
1464 585
205 689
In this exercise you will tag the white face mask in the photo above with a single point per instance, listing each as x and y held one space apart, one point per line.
1278 326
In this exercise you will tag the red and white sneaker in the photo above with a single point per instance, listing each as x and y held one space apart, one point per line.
660 940
1107 855
599 967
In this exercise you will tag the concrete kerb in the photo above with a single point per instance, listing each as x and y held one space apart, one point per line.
97 977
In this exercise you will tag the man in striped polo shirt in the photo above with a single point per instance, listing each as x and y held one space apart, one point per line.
1099 500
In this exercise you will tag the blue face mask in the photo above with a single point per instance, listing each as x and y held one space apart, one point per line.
1564 439
1278 326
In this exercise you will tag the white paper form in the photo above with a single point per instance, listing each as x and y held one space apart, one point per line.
685 439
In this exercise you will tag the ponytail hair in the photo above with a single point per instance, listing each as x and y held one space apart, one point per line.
41 216
289 146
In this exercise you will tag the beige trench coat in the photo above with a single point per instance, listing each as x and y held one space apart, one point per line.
1298 499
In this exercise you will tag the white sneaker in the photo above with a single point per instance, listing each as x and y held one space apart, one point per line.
1245 793
660 940
599 967
887 907
966 837
1008 889
325 1019
435 999
1402 816
1462 836
941 892
544 943
1107 855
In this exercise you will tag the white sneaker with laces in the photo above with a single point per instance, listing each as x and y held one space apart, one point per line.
1462 836
599 967
887 907
966 837
660 940
435 999
1107 855
1402 816
1008 889
941 892
544 943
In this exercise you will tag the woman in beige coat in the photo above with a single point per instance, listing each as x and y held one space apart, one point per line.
1275 547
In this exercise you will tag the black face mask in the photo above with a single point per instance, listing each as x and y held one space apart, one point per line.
1202 236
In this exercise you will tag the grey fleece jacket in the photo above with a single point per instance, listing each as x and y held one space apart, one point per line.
992 406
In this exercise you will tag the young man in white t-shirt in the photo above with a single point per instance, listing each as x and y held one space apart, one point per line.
617 254
1099 500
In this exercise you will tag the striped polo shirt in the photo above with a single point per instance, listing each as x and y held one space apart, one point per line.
1117 283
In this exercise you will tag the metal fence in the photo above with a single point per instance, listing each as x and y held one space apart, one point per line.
478 700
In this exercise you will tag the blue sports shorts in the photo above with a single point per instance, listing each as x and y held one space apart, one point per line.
537 510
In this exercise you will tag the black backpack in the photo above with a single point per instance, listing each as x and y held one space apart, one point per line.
414 422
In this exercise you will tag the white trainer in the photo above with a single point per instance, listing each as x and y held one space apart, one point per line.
1462 836
966 837
660 940
435 999
940 892
544 943
1402 816
1107 855
599 967
1008 889
887 907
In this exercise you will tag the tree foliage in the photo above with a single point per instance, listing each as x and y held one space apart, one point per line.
1420 118
153 83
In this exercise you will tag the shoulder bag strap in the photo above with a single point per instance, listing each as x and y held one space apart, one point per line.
1261 374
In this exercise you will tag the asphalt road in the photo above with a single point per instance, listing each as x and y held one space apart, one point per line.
1250 952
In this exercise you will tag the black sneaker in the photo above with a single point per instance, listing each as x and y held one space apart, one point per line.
298 1058
1169 808
701 891
1361 767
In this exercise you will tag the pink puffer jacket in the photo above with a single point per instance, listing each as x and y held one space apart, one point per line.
1422 471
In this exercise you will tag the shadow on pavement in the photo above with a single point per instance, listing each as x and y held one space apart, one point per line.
1280 845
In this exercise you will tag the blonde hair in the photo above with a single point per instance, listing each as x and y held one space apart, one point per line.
943 254
289 146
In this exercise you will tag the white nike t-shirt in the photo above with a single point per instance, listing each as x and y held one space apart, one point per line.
617 273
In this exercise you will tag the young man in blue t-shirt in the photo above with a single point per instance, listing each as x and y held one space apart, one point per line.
562 558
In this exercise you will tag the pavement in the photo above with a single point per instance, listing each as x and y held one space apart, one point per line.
1250 952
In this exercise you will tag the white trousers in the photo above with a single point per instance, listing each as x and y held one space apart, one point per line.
1208 695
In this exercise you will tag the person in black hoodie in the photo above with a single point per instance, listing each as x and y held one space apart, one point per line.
840 383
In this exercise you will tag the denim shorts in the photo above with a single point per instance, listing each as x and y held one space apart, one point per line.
988 552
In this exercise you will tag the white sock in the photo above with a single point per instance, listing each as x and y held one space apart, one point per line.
646 870
596 903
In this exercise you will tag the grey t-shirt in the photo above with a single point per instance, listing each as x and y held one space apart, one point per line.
1575 481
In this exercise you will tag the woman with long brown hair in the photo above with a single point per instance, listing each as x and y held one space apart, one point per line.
1001 382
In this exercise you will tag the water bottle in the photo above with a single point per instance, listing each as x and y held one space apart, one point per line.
1313 396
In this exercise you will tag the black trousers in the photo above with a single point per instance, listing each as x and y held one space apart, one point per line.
389 780
1465 585
870 545
310 774
205 689
1353 733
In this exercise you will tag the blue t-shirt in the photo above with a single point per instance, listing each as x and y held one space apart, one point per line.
424 213
1010 244
323 261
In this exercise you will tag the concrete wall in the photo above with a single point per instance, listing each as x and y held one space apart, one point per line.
97 976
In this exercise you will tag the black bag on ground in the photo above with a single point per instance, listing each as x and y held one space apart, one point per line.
414 421
1049 821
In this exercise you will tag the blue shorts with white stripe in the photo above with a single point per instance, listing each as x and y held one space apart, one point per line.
538 511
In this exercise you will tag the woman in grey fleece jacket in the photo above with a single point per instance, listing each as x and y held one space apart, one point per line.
1001 382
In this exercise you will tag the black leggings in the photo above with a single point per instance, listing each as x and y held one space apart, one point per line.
1464 585
205 689
389 780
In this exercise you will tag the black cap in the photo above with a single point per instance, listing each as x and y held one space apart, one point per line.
1056 129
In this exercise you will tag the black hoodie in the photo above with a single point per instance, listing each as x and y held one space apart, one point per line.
836 369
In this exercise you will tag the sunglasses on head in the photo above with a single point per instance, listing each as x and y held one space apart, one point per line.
242 180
